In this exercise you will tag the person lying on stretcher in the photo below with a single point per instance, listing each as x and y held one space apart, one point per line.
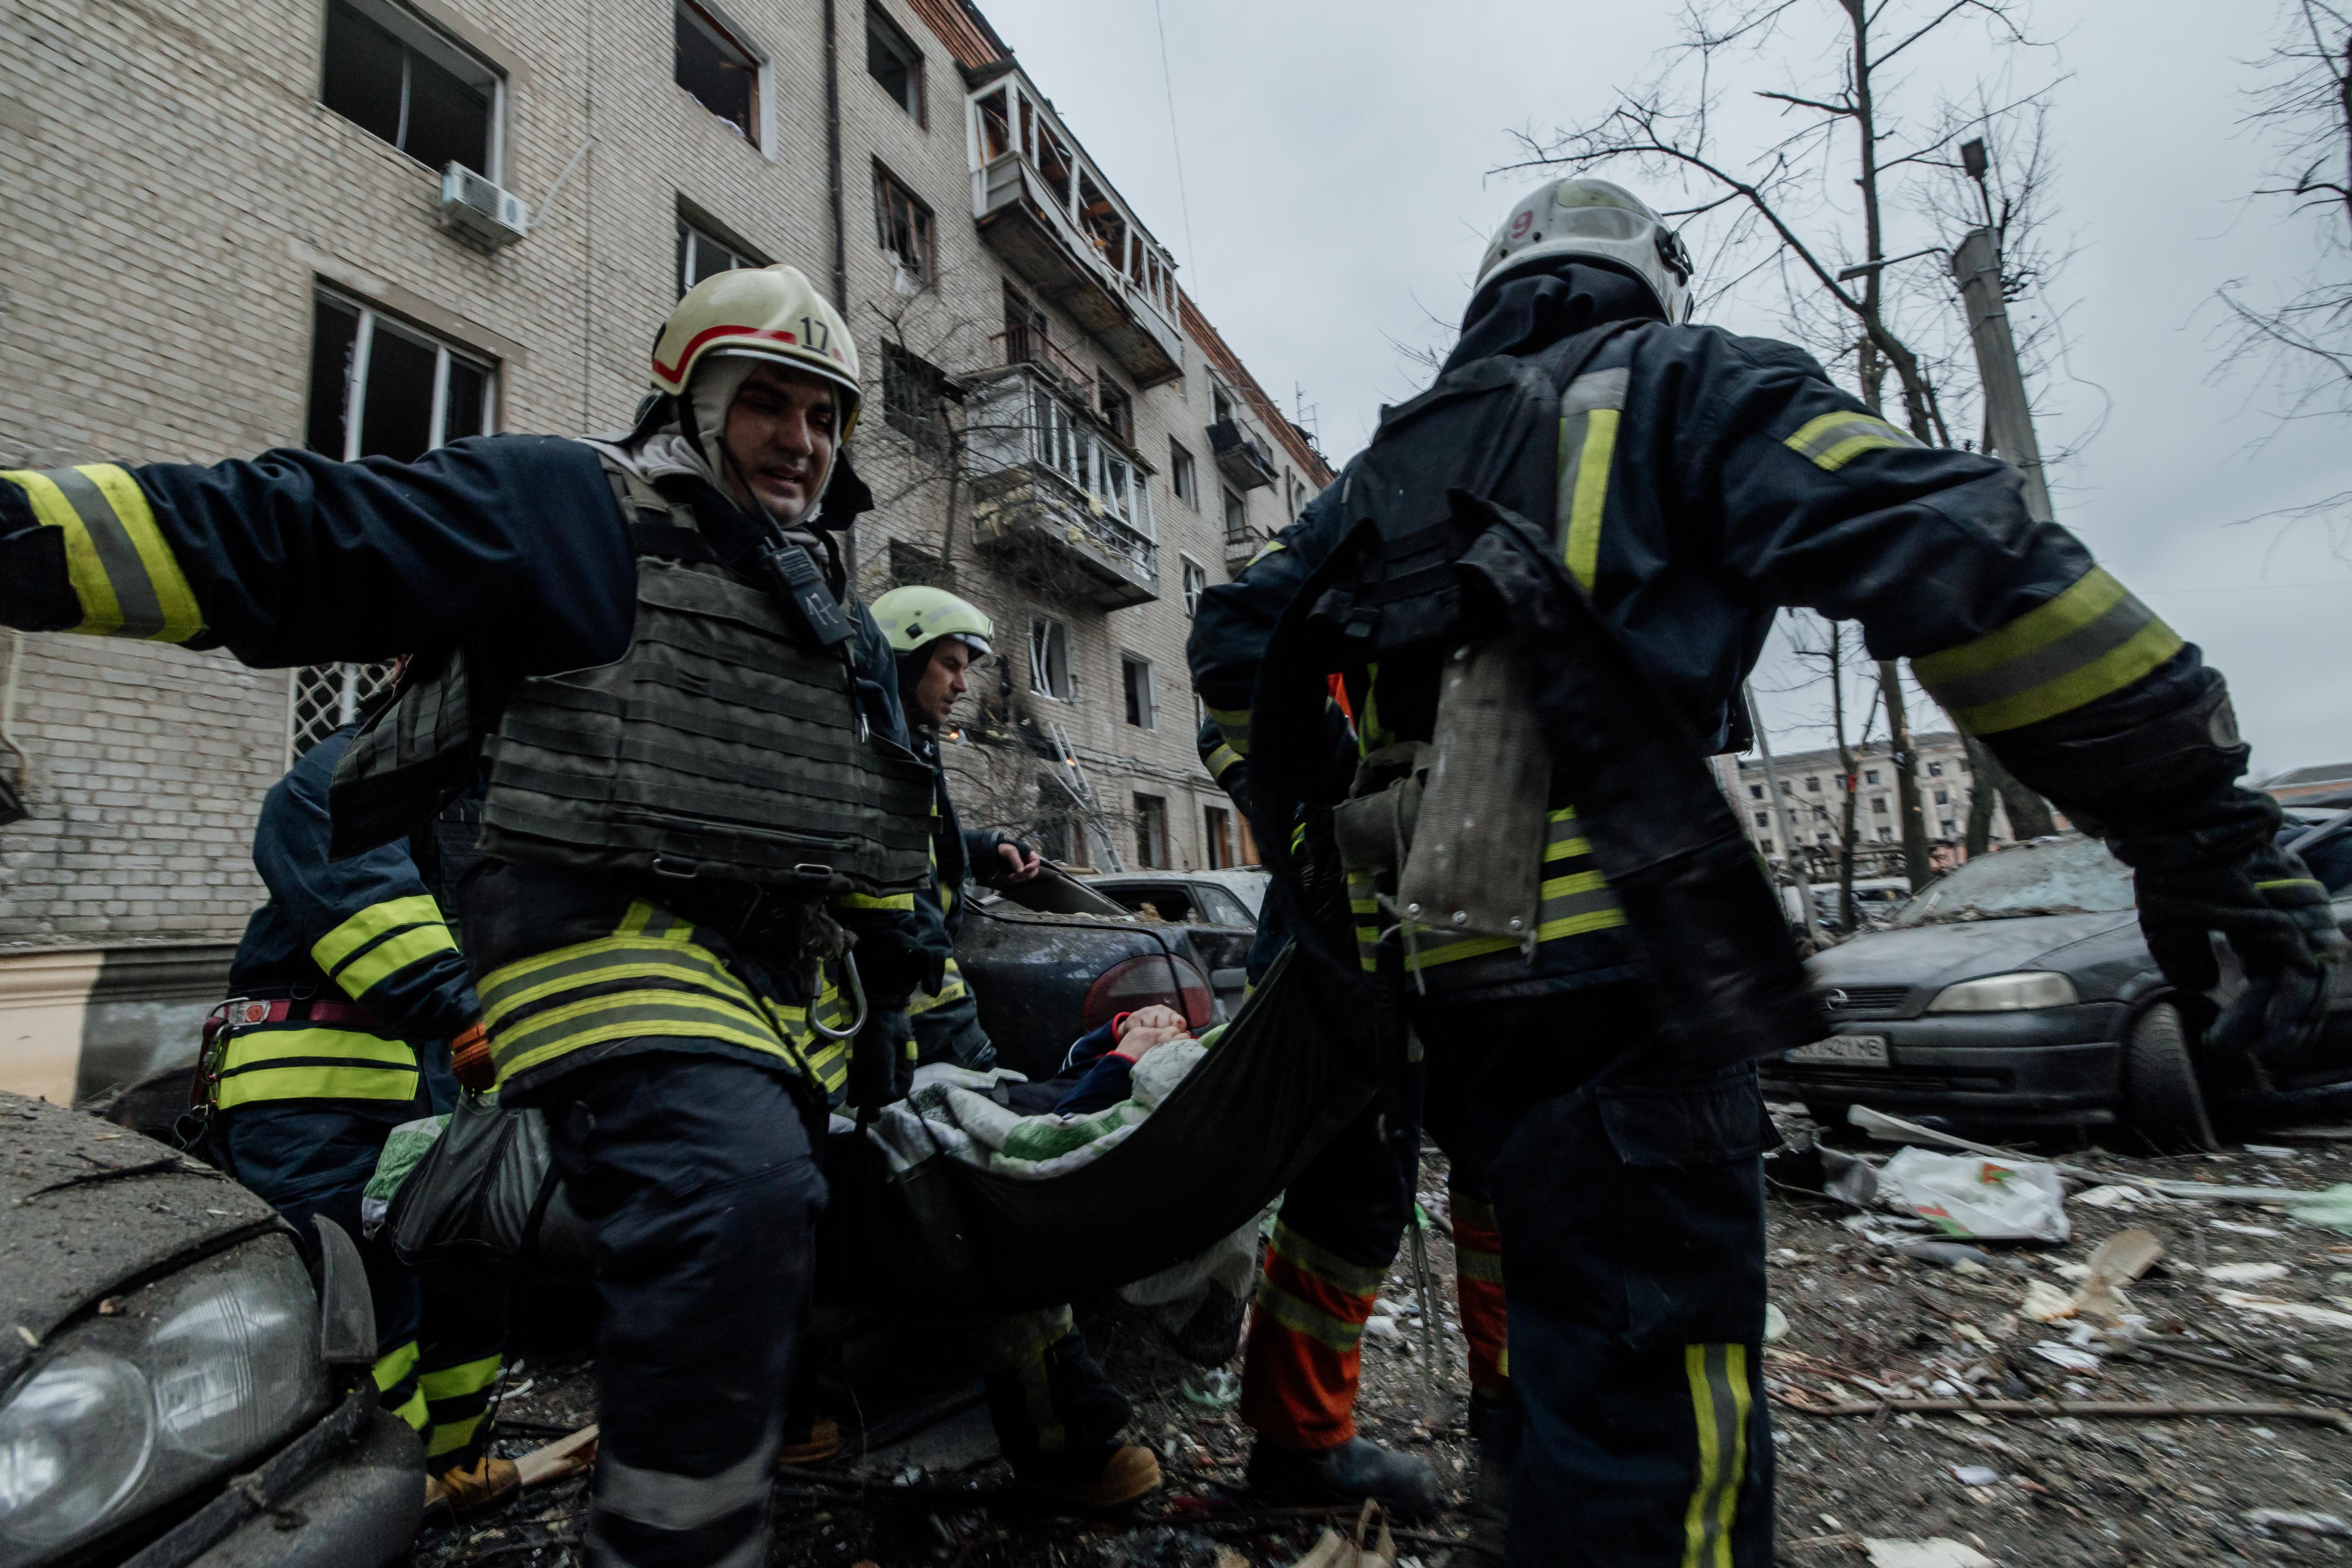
1106 1056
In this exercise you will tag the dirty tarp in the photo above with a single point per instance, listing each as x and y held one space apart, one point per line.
950 1227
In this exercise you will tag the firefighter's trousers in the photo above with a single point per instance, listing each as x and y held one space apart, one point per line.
437 1337
1337 1235
1633 1196
696 1175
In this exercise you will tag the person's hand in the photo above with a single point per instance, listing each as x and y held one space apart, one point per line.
2276 917
1024 861
1148 1027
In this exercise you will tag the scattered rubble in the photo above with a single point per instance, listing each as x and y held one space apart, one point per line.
2186 1401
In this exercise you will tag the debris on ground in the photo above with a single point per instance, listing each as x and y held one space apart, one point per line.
2204 1421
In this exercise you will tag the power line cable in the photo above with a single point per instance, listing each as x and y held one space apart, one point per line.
1176 142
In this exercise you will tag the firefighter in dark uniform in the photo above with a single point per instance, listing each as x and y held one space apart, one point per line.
1057 1417
1565 557
346 994
638 659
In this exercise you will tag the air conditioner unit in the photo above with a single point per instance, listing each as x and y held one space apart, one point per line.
478 208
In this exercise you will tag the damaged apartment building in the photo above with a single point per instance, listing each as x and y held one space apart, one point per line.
372 226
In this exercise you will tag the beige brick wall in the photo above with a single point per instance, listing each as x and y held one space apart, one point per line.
176 193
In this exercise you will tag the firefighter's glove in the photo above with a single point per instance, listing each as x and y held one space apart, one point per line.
469 1059
2276 917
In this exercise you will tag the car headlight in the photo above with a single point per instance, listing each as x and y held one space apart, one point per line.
2006 993
190 1375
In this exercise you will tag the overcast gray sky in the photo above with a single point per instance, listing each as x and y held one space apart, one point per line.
1335 164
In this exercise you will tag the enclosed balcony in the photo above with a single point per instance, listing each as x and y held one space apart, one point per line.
1045 207
1241 457
1055 493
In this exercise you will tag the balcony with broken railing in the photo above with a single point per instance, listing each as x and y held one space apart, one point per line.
1242 456
1055 493
1043 205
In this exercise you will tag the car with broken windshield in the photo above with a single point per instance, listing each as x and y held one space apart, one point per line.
2017 992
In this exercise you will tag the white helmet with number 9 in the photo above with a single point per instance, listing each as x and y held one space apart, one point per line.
1591 218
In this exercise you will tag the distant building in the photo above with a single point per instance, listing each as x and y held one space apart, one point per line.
1811 816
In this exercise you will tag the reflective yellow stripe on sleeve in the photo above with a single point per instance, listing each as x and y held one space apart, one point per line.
2086 643
122 569
1834 440
1222 761
887 902
374 923
1233 724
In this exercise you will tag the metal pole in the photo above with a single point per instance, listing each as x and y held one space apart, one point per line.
2009 418
1786 818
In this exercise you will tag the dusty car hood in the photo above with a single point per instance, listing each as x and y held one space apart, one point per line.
1931 957
64 1246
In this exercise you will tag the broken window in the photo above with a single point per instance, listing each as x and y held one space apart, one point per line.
1102 223
1028 337
892 59
1218 839
720 70
1236 518
1812 787
397 77
1152 831
902 224
1118 408
1136 676
380 388
1049 660
1870 775
1054 161
1755 792
1222 402
995 128
914 398
701 256
1196 583
1180 474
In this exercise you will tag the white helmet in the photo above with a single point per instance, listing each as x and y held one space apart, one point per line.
1592 218
761 312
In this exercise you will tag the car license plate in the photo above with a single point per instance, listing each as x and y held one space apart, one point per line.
1855 1050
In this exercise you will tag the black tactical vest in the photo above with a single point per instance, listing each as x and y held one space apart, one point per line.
718 749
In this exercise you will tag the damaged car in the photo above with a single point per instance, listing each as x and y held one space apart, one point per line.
175 1389
2017 992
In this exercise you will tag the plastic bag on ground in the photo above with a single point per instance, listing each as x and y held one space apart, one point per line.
1971 1195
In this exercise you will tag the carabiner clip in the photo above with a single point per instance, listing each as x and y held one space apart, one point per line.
857 990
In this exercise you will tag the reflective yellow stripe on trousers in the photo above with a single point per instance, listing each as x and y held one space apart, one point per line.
1720 1404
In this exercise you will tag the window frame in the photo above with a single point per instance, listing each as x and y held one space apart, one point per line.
419 34
1045 632
896 39
1138 690
921 220
731 38
372 318
1184 479
922 417
1116 405
1236 515
1155 852
1195 577
691 230
1217 845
